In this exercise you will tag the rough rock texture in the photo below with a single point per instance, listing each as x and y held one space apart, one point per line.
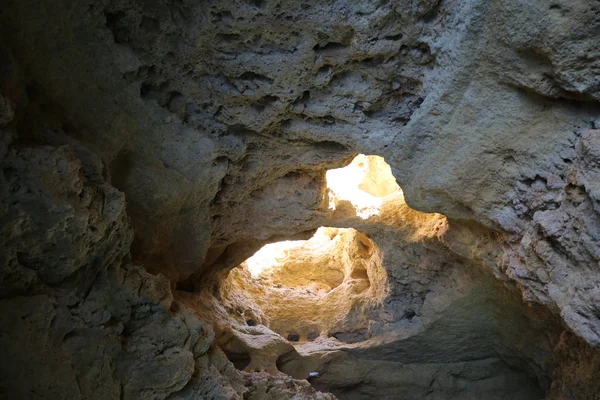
318 287
148 146
265 387
392 315
77 318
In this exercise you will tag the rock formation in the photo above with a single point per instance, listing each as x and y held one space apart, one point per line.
213 199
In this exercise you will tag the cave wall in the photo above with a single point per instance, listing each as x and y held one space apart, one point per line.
433 325
145 144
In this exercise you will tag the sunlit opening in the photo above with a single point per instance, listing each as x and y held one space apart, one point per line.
309 289
320 292
367 183
270 256
273 255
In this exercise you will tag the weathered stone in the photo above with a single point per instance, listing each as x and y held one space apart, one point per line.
209 127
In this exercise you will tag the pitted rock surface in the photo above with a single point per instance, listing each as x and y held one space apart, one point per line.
148 148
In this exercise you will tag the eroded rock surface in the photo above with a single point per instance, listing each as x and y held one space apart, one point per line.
149 147
392 314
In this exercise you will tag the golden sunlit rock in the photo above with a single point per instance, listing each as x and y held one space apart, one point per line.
367 183
315 287
367 189
322 293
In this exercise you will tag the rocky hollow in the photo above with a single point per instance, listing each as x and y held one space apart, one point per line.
270 199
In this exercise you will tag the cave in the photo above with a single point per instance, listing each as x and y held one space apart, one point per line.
283 200
355 311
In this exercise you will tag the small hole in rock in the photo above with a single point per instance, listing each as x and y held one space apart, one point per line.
409 315
239 360
360 274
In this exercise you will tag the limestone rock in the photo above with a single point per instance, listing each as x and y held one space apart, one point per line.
149 147
260 344
262 386
79 321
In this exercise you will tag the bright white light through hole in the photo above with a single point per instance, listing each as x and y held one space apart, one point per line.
367 183
274 255
270 256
